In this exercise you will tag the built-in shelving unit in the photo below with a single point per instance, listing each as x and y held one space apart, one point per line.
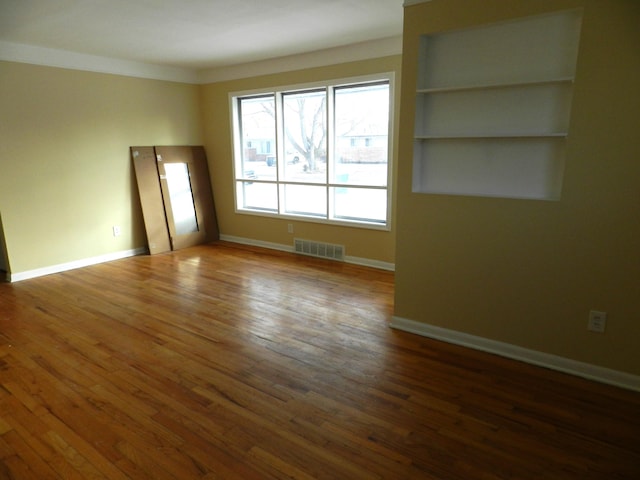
493 108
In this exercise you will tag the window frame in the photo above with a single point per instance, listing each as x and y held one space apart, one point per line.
278 92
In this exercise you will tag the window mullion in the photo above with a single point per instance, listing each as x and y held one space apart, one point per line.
280 141
329 148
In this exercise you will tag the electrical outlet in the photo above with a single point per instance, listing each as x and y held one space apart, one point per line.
116 231
597 321
290 227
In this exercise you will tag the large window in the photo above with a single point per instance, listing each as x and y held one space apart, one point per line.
320 152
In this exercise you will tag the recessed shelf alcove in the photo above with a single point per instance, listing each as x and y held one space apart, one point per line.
493 108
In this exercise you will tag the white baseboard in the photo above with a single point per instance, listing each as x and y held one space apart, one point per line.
365 262
256 243
63 267
554 362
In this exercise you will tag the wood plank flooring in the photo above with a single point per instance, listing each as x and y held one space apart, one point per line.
230 362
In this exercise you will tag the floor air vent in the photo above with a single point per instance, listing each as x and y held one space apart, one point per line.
318 249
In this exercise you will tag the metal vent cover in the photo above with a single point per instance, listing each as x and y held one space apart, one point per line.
318 249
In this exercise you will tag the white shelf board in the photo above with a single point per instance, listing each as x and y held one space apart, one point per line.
491 136
462 88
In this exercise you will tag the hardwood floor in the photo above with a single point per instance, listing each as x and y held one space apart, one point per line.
229 362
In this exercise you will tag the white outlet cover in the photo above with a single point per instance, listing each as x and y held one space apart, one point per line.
597 321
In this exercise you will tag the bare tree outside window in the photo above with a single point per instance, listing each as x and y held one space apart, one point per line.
305 127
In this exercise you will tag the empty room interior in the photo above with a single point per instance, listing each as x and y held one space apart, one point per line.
404 244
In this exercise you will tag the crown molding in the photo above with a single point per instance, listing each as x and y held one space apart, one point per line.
49 57
408 3
21 53
332 56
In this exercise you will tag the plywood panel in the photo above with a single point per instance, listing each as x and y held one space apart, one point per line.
196 160
144 162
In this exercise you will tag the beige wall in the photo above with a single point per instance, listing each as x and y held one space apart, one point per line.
528 272
65 170
359 242
66 173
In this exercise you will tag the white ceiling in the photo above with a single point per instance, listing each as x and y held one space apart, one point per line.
197 34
